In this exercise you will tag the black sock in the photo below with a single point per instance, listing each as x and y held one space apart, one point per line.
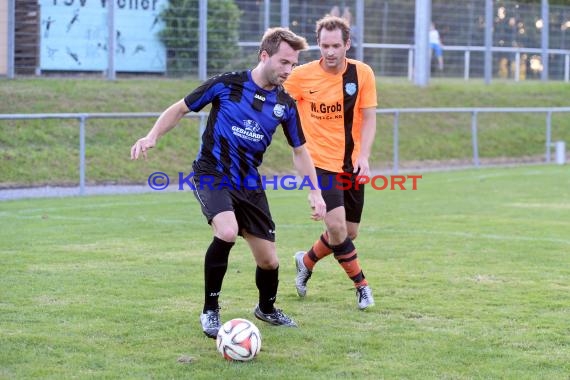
215 266
267 281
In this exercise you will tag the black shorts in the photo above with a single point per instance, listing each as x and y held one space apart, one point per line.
340 189
249 206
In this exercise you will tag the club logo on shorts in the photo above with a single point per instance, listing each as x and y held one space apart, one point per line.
350 88
278 110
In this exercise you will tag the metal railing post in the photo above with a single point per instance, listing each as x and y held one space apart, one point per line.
203 40
11 40
82 155
548 135
411 64
517 66
396 143
474 139
111 41
566 67
467 64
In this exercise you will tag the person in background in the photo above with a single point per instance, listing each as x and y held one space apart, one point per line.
247 108
336 98
435 46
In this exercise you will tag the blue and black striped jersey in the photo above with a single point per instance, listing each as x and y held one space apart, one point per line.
241 124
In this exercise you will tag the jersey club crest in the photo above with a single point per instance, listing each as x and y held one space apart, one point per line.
350 88
279 110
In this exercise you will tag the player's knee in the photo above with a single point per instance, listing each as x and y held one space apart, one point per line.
337 230
228 234
352 234
269 263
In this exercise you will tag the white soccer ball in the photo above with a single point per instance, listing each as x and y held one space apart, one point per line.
238 339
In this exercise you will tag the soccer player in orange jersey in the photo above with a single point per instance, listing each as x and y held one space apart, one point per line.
336 99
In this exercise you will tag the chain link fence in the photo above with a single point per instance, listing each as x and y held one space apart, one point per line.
162 37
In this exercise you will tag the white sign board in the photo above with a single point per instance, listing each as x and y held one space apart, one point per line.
74 35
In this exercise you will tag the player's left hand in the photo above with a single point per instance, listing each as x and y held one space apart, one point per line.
362 167
318 206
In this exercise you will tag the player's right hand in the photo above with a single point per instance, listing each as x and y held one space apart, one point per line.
318 206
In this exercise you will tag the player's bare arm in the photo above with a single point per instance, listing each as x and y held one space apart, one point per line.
305 167
367 133
165 122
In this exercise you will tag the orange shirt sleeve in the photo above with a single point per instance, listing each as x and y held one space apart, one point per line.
368 89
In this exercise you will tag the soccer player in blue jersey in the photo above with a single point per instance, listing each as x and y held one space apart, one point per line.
247 108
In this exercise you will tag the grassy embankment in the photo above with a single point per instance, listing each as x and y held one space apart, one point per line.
46 151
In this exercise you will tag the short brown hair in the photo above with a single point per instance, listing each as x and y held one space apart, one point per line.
274 36
331 23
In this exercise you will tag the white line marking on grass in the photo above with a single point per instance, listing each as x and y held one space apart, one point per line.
93 206
553 206
139 218
467 235
478 177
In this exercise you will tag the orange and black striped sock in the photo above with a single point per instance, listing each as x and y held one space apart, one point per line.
345 254
320 249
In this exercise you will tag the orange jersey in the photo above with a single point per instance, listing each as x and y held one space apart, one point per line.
330 106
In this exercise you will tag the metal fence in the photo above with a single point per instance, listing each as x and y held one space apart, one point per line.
475 112
82 119
396 113
527 41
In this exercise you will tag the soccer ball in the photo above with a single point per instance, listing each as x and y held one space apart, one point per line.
238 339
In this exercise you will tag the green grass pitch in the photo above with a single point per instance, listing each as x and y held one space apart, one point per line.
471 275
